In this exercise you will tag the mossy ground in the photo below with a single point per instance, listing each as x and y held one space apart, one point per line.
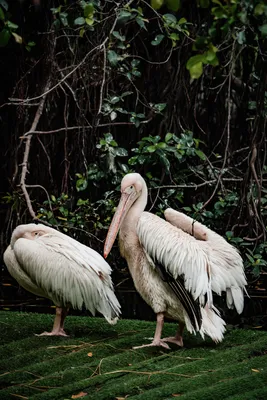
97 362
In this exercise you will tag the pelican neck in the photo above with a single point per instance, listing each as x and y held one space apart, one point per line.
134 213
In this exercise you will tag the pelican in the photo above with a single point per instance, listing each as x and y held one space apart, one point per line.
50 264
176 265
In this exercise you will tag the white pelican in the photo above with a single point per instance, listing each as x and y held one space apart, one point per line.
53 265
175 264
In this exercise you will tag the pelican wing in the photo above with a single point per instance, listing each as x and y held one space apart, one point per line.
226 264
68 272
18 273
179 253
190 305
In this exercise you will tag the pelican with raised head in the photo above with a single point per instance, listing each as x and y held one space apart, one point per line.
176 264
50 264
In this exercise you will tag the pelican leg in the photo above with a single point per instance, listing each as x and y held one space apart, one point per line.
178 338
157 337
64 313
58 327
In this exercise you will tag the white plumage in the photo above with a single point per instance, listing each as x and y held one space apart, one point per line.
53 265
176 264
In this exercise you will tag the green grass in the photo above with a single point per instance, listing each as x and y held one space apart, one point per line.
98 359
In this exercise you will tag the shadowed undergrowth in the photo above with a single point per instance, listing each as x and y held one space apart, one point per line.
97 362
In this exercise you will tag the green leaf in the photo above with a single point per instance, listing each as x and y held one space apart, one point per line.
161 145
173 5
142 159
82 202
251 259
263 30
126 94
169 19
141 22
117 35
151 149
53 198
64 18
81 184
209 56
135 121
182 21
4 4
133 160
113 57
159 107
219 13
156 4
259 9
4 37
174 36
121 152
11 25
168 137
256 271
188 209
124 17
196 70
113 115
17 37
195 60
122 111
164 160
113 143
89 21
108 137
241 37
2 14
135 63
158 39
79 21
88 10
200 154
136 73
214 62
56 10
114 99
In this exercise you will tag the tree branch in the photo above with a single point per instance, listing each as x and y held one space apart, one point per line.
27 151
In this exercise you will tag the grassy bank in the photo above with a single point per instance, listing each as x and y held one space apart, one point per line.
97 362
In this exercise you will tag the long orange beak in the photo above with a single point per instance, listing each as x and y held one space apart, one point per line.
125 203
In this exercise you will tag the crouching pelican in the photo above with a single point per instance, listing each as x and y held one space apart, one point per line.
50 264
175 264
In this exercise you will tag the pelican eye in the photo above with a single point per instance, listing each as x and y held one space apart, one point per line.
131 187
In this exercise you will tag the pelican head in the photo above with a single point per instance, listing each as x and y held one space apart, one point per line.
132 187
27 231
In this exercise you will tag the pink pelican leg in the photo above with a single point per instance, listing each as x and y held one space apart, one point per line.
178 338
157 341
58 327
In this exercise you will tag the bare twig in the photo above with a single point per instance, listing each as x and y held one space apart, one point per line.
27 150
103 80
196 186
227 144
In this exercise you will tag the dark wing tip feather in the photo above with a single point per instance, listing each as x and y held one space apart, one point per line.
190 305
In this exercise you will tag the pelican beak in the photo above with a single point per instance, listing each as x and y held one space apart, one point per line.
125 203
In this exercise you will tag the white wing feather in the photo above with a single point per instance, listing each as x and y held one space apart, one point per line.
180 253
19 275
69 272
226 264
